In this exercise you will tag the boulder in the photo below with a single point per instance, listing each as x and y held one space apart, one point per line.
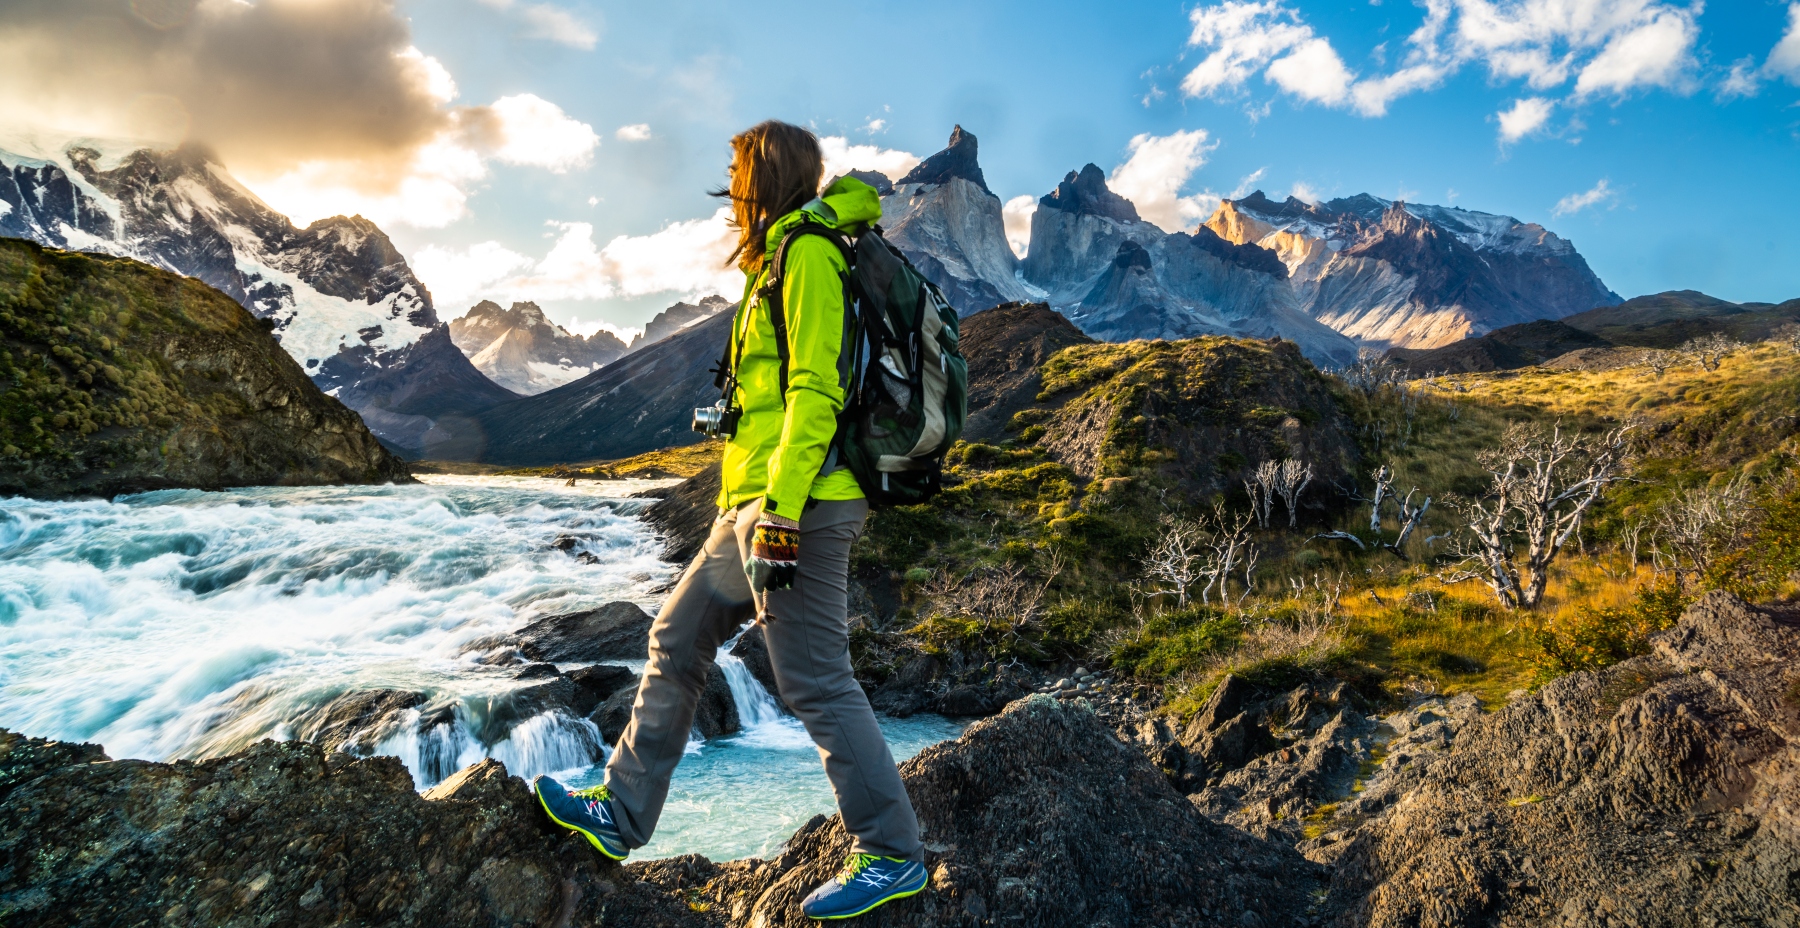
288 834
603 680
365 717
1042 817
1662 791
615 631
716 714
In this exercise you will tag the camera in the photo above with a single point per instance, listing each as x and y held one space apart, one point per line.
717 421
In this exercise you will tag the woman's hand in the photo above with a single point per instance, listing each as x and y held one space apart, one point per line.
774 554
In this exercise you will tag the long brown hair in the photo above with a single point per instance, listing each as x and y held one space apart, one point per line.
775 169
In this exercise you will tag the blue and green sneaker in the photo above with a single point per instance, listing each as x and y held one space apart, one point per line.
588 811
865 882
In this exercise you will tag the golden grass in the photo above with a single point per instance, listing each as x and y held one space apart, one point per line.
680 461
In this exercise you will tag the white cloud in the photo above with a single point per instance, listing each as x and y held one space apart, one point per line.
1655 54
1527 115
1016 214
1248 182
1607 46
686 259
550 23
534 131
1742 81
636 132
1152 178
1313 72
1576 202
1306 192
874 125
1784 61
460 278
841 157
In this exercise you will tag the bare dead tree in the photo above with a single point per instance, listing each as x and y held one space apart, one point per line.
1410 517
1708 351
1262 490
1290 483
1694 522
1544 483
1633 539
1177 560
1788 336
1384 484
1207 549
1658 361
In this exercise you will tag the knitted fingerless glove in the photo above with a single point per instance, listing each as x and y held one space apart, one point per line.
774 557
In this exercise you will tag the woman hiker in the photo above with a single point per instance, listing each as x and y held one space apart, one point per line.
779 551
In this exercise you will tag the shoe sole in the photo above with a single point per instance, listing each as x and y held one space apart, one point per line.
592 838
873 905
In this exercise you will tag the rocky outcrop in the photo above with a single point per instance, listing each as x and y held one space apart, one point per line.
522 350
1040 816
119 377
949 225
1662 791
338 295
1400 275
1006 348
286 834
683 514
615 631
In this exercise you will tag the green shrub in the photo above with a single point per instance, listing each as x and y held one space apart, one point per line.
1174 642
1591 639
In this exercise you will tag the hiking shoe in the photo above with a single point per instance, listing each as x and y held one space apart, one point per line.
588 811
865 882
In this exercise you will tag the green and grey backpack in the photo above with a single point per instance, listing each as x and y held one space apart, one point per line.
908 382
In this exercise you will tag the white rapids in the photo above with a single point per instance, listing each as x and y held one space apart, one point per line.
186 624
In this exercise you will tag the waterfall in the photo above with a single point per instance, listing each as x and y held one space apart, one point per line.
762 721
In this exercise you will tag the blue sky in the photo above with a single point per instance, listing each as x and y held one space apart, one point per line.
1663 138
1701 189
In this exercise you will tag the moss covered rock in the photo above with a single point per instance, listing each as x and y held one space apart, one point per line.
119 377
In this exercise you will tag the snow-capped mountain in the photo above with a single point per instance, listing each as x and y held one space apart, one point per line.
1119 277
1395 274
521 350
343 301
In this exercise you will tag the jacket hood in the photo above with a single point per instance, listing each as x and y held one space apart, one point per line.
846 205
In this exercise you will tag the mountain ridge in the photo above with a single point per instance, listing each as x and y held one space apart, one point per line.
340 297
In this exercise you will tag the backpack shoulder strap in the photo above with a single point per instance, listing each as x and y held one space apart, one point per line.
771 288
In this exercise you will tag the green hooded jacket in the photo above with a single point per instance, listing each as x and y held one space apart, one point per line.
780 446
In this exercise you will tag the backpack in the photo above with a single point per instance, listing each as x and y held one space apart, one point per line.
909 393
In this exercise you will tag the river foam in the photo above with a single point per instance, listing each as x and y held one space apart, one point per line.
189 624
185 624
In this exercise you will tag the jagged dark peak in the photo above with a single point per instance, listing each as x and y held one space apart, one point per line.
1292 207
875 179
716 302
1085 192
1248 255
1131 255
1363 205
956 160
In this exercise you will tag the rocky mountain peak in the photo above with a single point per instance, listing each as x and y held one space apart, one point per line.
956 160
875 179
1259 203
1085 192
1131 255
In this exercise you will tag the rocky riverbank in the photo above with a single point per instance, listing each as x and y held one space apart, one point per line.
1662 791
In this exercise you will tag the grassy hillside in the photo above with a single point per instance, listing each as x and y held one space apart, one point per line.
117 376
1039 553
